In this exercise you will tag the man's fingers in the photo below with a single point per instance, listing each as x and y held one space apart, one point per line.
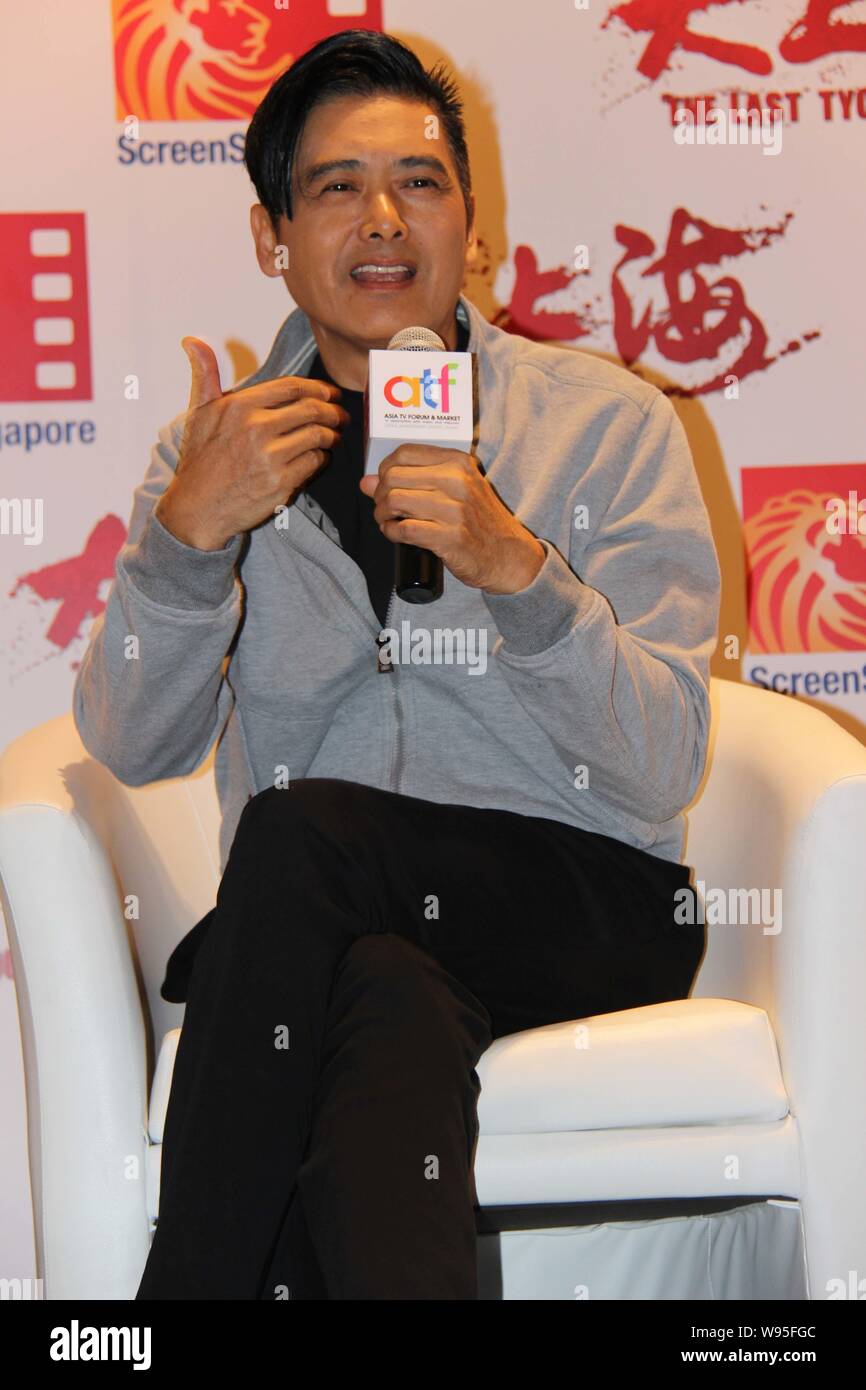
434 476
311 411
283 390
205 384
285 448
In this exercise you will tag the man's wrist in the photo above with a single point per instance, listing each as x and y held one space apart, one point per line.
186 530
533 619
524 562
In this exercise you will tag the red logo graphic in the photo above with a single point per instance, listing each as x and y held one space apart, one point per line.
806 582
821 29
523 314
44 320
700 321
214 60
662 297
75 582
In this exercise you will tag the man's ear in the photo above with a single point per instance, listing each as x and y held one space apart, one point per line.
471 237
271 260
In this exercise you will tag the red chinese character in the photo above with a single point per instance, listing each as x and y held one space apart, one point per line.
696 327
667 22
530 285
816 34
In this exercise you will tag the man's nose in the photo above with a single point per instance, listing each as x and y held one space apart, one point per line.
383 215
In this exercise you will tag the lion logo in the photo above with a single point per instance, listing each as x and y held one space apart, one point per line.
200 60
807 584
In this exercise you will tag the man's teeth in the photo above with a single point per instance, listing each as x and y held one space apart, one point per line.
382 270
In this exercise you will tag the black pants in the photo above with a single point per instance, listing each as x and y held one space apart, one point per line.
365 949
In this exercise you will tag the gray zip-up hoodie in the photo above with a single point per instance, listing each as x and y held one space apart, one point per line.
583 698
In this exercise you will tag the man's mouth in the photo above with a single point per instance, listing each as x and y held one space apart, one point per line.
383 272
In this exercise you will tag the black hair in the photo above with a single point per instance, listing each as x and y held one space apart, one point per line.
359 62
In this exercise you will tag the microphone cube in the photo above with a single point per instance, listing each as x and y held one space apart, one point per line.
417 397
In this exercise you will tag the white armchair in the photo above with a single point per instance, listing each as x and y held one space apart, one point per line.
705 1148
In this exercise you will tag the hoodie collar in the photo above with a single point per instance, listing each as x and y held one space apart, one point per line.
294 347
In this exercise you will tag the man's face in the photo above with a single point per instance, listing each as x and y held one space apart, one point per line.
399 200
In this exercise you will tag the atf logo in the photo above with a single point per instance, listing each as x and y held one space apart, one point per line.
805 540
44 315
198 60
417 391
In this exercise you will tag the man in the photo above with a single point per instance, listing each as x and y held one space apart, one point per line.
417 858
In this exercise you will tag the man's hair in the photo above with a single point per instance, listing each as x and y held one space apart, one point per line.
355 62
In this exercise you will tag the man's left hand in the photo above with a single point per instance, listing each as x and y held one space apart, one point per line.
439 499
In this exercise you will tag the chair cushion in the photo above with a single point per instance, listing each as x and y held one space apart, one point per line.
686 1062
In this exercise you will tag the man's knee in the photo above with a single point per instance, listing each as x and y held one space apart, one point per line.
411 993
388 962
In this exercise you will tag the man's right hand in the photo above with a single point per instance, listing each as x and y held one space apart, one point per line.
244 453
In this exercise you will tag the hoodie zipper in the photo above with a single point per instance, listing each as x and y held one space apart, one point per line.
386 667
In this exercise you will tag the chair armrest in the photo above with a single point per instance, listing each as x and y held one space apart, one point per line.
783 806
84 1049
819 1018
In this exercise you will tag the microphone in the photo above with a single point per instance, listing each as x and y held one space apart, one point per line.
431 404
419 575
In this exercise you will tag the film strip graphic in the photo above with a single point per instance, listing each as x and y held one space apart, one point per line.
44 312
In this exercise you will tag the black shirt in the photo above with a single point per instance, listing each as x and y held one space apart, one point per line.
335 488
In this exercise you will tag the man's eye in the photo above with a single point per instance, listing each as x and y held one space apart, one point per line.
340 184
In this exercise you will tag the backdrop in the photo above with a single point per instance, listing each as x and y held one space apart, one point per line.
625 208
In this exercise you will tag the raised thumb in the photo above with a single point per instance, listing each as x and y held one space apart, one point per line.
205 385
